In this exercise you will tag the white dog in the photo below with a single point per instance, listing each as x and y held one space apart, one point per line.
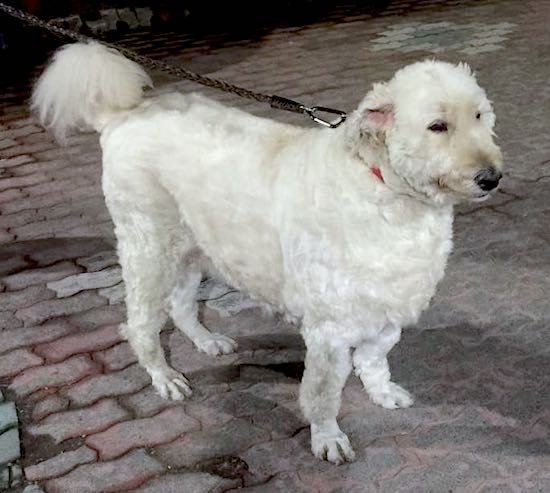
348 230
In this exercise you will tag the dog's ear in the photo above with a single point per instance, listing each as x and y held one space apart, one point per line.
370 121
377 110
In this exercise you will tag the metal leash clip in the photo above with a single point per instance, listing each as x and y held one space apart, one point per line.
296 107
327 123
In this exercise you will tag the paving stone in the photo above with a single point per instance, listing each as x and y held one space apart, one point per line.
89 280
125 473
100 316
147 402
29 336
293 482
194 447
63 373
147 432
210 289
115 294
10 262
16 361
42 275
82 342
193 482
8 320
22 131
117 357
30 217
4 477
126 381
51 167
33 488
56 226
49 405
17 300
129 16
209 416
99 261
14 151
57 249
16 474
231 303
6 237
6 143
60 464
8 416
80 422
42 311
10 448
41 204
16 161
144 15
239 404
280 421
23 181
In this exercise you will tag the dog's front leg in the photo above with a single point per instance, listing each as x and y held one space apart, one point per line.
371 366
327 367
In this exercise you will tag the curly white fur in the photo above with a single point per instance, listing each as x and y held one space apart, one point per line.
294 216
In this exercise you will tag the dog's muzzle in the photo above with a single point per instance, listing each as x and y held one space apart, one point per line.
488 178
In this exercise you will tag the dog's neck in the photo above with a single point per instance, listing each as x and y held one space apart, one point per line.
376 171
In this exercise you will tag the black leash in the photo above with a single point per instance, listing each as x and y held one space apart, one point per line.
276 102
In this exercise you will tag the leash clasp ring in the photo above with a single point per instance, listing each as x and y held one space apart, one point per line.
331 123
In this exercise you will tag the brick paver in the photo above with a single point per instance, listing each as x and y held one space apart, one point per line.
477 362
29 336
82 342
60 464
126 381
117 357
42 311
49 405
16 361
91 280
81 422
198 481
53 375
147 432
105 477
42 275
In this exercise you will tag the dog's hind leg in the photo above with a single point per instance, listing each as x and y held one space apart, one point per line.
372 367
327 367
150 247
184 313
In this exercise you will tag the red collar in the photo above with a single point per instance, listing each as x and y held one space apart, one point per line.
376 172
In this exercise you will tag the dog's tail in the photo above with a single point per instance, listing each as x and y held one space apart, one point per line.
84 85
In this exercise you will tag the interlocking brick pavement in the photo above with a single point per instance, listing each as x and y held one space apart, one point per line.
477 362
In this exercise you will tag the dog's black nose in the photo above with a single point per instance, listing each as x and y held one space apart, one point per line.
488 178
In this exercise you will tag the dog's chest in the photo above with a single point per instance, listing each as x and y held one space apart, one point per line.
382 263
399 257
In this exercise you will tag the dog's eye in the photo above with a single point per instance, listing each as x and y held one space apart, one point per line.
478 115
438 127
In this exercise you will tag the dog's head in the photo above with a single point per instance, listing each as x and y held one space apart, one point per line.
431 129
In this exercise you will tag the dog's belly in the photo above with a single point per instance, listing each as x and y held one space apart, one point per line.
222 176
248 258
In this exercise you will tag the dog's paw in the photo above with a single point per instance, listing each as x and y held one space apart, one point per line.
393 396
332 445
215 344
170 384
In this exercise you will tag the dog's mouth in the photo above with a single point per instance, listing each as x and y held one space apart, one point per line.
481 198
465 194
